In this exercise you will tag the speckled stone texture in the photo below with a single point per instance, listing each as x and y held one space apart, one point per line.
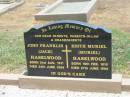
14 91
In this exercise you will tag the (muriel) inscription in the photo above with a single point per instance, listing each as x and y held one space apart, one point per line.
69 49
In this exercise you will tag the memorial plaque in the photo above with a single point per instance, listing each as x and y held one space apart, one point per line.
69 49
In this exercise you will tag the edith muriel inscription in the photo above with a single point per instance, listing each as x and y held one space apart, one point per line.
68 49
